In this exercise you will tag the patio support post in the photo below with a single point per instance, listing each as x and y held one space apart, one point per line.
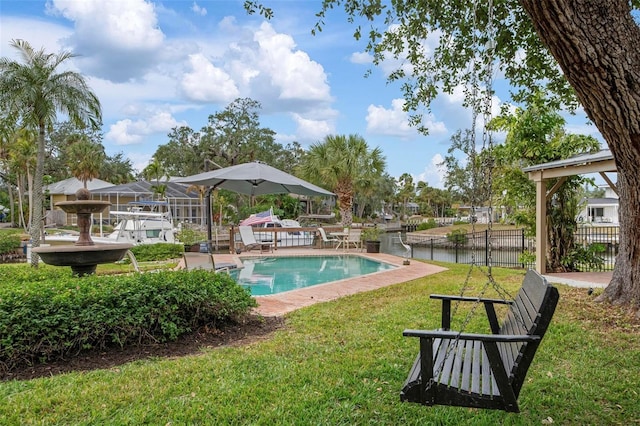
541 224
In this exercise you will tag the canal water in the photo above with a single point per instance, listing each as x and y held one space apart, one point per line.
390 244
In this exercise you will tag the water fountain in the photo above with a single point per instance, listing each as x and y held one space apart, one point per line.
85 255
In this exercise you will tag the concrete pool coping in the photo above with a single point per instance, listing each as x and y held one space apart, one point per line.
283 303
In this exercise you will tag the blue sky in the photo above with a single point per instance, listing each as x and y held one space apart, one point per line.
159 64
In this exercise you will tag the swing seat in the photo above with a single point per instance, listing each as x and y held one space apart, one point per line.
482 370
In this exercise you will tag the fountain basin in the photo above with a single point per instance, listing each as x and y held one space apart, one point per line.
83 206
82 259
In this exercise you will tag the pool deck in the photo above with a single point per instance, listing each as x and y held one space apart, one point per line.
283 303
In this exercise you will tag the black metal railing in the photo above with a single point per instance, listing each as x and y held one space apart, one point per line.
597 246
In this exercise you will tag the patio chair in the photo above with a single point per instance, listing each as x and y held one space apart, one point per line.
204 261
354 238
333 241
249 241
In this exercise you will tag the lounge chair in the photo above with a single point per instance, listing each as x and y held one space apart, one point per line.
249 240
204 261
333 241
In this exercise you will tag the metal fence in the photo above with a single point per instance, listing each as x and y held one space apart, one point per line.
511 248
602 241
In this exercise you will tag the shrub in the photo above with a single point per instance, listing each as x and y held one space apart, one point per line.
49 319
585 258
430 224
457 236
527 257
19 274
158 251
9 241
189 236
370 234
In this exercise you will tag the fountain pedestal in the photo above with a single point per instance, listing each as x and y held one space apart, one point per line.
84 256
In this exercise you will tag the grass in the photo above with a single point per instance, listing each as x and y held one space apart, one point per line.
344 362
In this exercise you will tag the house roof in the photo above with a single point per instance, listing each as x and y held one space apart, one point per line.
71 185
597 162
602 201
144 188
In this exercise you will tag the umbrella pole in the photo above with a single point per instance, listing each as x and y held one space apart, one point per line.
209 218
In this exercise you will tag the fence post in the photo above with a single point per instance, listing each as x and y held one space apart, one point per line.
431 241
522 250
486 247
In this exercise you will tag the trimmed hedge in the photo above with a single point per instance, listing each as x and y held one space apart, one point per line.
15 275
158 251
9 241
52 318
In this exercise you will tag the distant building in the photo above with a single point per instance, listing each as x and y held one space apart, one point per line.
65 190
412 208
601 210
481 214
184 205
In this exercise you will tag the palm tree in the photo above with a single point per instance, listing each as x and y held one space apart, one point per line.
156 171
22 160
36 90
344 164
85 159
406 191
201 190
7 131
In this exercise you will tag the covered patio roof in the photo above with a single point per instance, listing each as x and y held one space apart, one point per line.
601 162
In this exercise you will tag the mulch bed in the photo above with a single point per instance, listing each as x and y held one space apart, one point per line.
252 329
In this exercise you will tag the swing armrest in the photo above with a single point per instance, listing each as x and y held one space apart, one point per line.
445 334
445 317
469 299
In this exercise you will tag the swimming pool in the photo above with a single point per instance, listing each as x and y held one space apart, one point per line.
272 275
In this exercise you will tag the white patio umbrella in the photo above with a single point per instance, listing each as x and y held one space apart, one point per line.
253 179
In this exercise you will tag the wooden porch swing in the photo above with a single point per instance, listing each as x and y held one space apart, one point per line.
482 370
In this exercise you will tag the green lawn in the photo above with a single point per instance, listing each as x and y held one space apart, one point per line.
344 362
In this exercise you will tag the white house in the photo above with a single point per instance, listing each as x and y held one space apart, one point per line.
601 210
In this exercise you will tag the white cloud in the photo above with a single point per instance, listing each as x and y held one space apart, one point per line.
118 40
291 71
208 83
129 132
198 10
140 160
395 121
261 64
39 34
310 130
361 58
433 174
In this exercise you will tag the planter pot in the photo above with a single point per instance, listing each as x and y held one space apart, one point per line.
372 246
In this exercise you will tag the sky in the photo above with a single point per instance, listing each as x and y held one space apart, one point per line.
156 65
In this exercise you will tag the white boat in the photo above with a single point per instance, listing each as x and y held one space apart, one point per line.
134 226
289 236
142 227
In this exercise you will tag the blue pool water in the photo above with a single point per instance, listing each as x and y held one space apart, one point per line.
273 275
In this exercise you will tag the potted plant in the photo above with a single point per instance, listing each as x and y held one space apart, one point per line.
191 238
371 238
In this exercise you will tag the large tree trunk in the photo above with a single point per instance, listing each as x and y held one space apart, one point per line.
596 44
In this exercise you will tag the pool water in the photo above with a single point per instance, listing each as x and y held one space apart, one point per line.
274 275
